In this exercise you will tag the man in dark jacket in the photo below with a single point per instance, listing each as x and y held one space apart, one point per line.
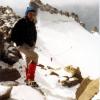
24 30
24 34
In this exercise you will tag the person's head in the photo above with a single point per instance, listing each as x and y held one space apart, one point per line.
31 12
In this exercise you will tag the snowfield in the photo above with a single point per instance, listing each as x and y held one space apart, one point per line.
67 43
21 92
25 93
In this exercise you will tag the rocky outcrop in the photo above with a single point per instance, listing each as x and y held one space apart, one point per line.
7 19
71 77
9 74
1 43
94 29
74 78
82 24
75 16
8 53
88 89
54 73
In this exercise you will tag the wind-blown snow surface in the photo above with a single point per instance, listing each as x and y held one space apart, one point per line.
25 93
68 43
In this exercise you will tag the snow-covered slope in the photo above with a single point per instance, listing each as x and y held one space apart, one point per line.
25 93
21 92
62 42
67 43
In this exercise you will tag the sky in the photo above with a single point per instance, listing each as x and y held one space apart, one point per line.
99 16
66 2
18 5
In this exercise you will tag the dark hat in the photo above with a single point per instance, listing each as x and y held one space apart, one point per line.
32 8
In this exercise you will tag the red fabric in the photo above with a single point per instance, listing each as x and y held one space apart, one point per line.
30 71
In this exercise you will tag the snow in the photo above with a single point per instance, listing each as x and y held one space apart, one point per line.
97 97
68 43
52 89
3 89
23 92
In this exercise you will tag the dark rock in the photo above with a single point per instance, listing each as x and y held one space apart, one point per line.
3 9
95 29
42 66
61 12
75 77
38 1
10 58
20 67
7 19
77 18
8 10
1 43
49 67
73 14
34 84
10 54
9 74
82 24
74 71
1 22
1 37
6 29
54 73
67 14
0 67
70 83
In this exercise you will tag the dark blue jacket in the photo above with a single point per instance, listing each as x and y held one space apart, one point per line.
24 31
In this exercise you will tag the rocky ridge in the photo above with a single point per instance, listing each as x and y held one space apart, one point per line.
9 54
